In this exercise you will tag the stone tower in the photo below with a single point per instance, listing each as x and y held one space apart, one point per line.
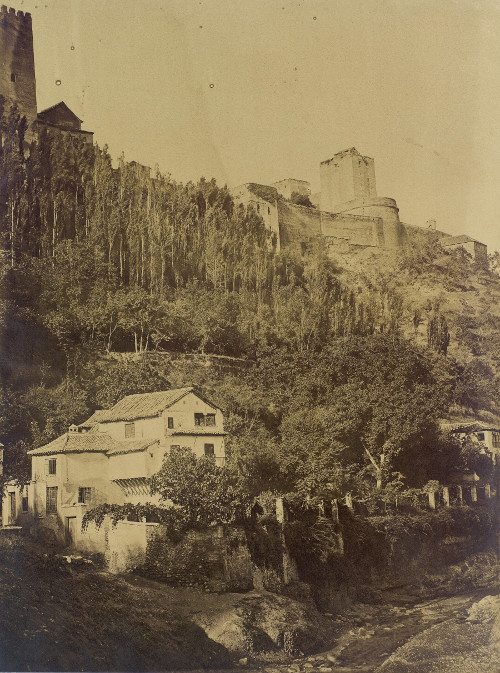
345 177
348 188
17 69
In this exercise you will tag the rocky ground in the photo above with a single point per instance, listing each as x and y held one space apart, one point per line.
460 634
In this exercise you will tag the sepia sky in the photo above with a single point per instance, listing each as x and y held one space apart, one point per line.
260 90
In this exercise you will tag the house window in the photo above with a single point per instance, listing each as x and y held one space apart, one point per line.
129 430
209 450
480 436
496 440
199 419
175 447
84 494
210 419
51 502
25 503
52 465
13 77
268 210
170 422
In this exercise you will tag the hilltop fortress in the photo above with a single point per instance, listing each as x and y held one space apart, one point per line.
346 212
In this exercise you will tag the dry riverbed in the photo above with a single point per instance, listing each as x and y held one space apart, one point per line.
458 634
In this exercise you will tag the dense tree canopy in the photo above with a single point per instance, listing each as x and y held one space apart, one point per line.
99 257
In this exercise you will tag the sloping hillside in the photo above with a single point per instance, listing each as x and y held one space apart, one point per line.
425 282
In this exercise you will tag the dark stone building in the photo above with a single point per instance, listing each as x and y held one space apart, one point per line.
17 78
59 118
17 71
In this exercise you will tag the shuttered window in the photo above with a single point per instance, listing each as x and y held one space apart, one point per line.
51 504
84 494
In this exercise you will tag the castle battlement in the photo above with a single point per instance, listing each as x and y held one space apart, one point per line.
12 13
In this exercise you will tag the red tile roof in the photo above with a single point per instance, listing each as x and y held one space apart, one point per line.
143 405
91 442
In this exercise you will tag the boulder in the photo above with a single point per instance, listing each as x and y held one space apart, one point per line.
265 622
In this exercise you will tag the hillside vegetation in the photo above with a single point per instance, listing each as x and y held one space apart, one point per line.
347 364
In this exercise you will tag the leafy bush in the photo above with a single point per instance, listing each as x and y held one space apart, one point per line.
206 493
173 519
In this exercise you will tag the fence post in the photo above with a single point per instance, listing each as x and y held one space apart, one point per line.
446 496
460 495
280 511
487 491
348 502
289 567
335 511
432 499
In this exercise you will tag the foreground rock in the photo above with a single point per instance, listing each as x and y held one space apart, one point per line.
470 645
262 622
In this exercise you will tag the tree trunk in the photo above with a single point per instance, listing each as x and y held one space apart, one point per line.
121 257
12 234
378 467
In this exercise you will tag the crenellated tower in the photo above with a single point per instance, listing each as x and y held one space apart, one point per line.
17 71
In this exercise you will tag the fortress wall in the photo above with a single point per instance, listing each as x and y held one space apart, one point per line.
265 206
414 230
269 213
378 208
297 223
480 253
356 229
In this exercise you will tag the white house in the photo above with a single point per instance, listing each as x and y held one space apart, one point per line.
113 455
487 434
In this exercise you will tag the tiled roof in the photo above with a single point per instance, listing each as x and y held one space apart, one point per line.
207 432
76 442
91 442
467 426
58 106
143 405
130 446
